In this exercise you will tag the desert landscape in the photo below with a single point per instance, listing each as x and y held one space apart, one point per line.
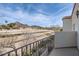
14 38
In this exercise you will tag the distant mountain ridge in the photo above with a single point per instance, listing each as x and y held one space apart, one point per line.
14 25
18 25
21 25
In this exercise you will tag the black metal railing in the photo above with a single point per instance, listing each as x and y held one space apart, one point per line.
33 49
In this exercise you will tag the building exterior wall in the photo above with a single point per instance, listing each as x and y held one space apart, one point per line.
75 23
75 20
67 25
65 39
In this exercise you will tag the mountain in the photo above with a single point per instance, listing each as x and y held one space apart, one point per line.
15 25
20 25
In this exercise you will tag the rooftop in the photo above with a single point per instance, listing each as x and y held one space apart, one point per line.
67 17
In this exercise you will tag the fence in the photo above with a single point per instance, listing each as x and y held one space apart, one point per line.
33 49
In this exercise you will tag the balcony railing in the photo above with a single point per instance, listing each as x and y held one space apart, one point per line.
36 48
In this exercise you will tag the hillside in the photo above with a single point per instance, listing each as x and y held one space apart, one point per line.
15 25
18 25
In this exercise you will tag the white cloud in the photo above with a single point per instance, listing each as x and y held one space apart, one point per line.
42 18
21 16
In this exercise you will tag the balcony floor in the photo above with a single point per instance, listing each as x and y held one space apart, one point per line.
64 52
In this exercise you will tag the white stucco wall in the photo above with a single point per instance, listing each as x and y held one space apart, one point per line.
75 21
65 39
67 25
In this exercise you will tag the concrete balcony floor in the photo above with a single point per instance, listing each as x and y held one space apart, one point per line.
64 52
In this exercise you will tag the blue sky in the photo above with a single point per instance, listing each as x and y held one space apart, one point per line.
35 14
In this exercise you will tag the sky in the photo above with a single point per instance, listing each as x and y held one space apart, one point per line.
41 14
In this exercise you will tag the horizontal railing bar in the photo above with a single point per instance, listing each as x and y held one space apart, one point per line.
24 46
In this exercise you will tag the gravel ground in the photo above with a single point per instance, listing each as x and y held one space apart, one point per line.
6 43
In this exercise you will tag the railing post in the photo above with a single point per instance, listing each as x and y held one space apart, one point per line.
8 54
26 50
46 45
33 45
38 47
30 49
33 50
21 51
16 53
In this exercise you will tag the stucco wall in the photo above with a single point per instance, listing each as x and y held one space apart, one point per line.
65 39
75 21
67 25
